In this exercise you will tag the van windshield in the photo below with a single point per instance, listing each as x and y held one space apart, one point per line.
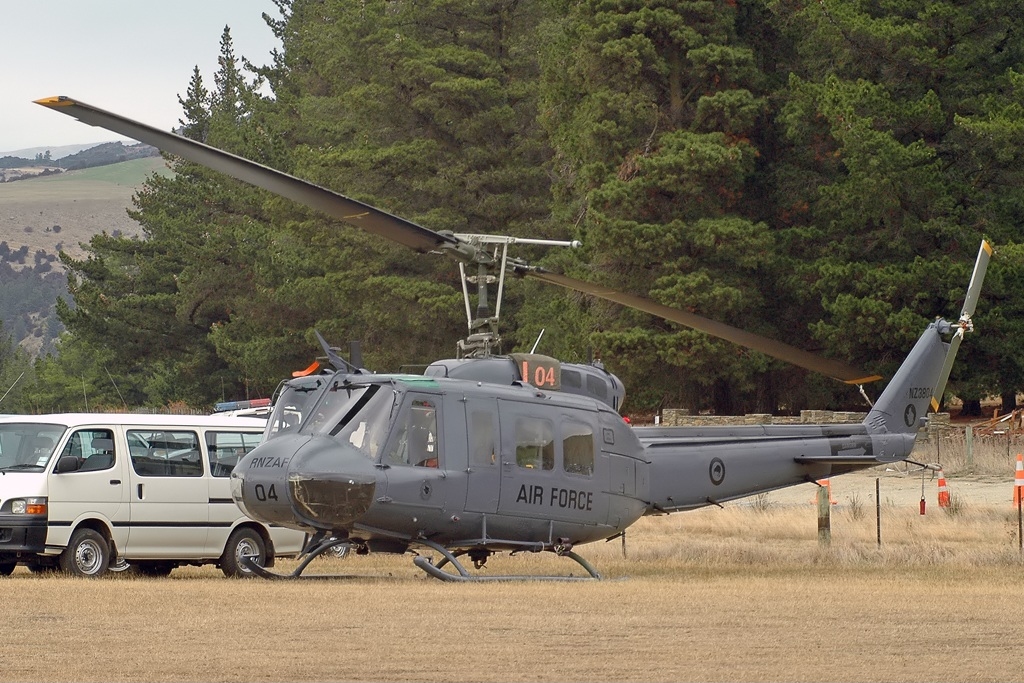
27 446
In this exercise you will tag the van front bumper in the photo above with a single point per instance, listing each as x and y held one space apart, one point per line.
20 535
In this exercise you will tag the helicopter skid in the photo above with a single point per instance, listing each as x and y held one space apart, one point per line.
249 562
463 576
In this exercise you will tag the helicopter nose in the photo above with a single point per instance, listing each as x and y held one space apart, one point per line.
331 484
317 480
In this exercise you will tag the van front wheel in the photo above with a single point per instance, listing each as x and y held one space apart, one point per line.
88 554
241 543
7 568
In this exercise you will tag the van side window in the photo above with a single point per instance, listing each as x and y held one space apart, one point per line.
225 448
94 449
577 448
535 443
165 453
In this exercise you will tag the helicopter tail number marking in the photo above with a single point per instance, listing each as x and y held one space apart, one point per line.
570 499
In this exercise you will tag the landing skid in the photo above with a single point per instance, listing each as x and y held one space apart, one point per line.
249 562
435 570
463 576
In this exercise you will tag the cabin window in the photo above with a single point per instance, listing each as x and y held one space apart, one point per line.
535 443
225 448
483 450
577 448
571 378
597 387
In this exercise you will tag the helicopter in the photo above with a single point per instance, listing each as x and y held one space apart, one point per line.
485 454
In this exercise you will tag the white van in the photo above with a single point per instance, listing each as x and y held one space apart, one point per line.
88 491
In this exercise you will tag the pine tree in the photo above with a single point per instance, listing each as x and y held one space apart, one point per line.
156 302
425 110
651 108
892 177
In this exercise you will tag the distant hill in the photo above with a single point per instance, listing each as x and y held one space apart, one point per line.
13 168
107 153
58 152
43 215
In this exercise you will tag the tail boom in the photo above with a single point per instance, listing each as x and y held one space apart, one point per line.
697 467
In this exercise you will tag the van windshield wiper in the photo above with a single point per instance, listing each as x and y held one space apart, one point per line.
20 466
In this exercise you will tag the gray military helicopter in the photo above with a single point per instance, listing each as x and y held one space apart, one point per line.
485 454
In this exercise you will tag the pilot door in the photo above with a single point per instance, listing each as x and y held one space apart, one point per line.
414 458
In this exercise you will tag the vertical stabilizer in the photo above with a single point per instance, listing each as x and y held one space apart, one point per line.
905 401
920 381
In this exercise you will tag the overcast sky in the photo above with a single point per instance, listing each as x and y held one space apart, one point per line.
132 57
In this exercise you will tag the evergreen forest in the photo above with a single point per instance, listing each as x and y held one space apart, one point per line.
817 172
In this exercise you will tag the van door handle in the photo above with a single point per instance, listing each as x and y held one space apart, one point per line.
115 482
140 491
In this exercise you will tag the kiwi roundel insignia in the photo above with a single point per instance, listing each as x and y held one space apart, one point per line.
910 415
716 471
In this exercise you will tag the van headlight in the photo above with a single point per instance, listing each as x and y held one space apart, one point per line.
28 506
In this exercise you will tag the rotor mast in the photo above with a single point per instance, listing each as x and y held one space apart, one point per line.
483 334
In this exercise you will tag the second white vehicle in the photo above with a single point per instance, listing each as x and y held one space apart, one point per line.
85 492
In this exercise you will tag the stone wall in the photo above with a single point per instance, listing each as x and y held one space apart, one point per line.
672 417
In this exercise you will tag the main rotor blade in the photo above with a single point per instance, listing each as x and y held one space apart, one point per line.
964 325
421 239
351 211
770 347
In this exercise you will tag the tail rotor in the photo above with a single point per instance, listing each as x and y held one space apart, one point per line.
964 324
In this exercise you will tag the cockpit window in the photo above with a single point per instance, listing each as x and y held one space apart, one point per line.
27 446
416 435
366 425
291 406
337 404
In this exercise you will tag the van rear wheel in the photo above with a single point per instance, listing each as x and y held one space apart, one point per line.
87 554
7 568
243 542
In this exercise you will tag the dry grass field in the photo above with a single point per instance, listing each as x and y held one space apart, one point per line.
743 592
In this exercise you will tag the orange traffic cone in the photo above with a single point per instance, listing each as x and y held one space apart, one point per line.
943 491
1018 481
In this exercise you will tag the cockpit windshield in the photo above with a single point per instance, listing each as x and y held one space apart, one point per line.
291 406
27 446
355 414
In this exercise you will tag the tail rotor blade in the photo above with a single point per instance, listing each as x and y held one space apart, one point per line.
940 386
964 325
980 268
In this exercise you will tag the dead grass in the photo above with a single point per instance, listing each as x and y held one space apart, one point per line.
992 454
740 593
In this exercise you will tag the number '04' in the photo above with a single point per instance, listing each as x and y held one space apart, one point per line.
263 494
541 376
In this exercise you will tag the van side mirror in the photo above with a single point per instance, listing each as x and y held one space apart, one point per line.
67 463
